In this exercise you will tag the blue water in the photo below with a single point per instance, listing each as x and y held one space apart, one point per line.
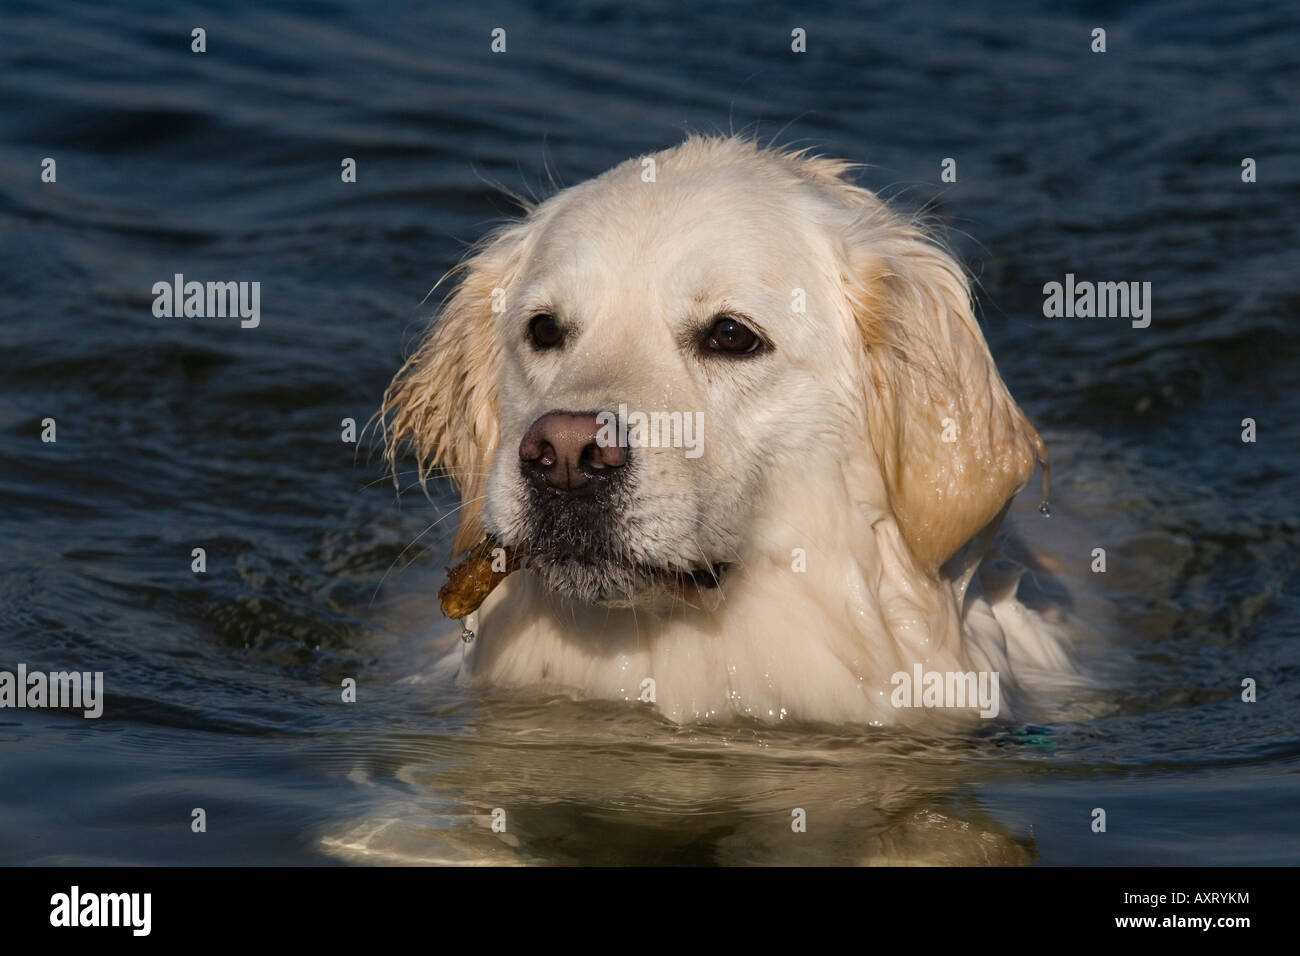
223 689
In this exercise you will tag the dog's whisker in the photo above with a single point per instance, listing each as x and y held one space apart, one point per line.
387 479
413 543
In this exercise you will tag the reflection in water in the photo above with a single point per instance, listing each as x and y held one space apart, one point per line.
603 788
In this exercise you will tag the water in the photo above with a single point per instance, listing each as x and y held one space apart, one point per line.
223 690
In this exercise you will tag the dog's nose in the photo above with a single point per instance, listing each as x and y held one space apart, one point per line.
561 448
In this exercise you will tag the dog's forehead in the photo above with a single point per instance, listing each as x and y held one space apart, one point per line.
693 232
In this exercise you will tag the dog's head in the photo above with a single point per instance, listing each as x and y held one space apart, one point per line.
623 381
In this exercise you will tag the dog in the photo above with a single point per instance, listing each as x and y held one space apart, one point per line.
817 540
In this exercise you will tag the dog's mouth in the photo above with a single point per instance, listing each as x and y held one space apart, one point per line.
707 578
598 579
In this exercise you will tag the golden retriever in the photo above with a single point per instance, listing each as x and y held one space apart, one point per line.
737 420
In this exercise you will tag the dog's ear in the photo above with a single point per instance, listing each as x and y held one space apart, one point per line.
443 401
953 446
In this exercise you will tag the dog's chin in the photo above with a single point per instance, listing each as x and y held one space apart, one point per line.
607 583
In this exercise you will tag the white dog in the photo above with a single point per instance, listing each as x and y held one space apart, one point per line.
851 447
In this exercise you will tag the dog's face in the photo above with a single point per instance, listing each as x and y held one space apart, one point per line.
681 310
624 381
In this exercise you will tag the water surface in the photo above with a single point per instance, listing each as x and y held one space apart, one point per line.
223 689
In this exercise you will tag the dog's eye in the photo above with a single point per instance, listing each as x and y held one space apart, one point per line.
545 332
731 336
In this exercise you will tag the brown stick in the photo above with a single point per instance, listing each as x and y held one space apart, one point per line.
473 579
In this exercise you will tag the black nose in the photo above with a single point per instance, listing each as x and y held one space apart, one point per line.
561 449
